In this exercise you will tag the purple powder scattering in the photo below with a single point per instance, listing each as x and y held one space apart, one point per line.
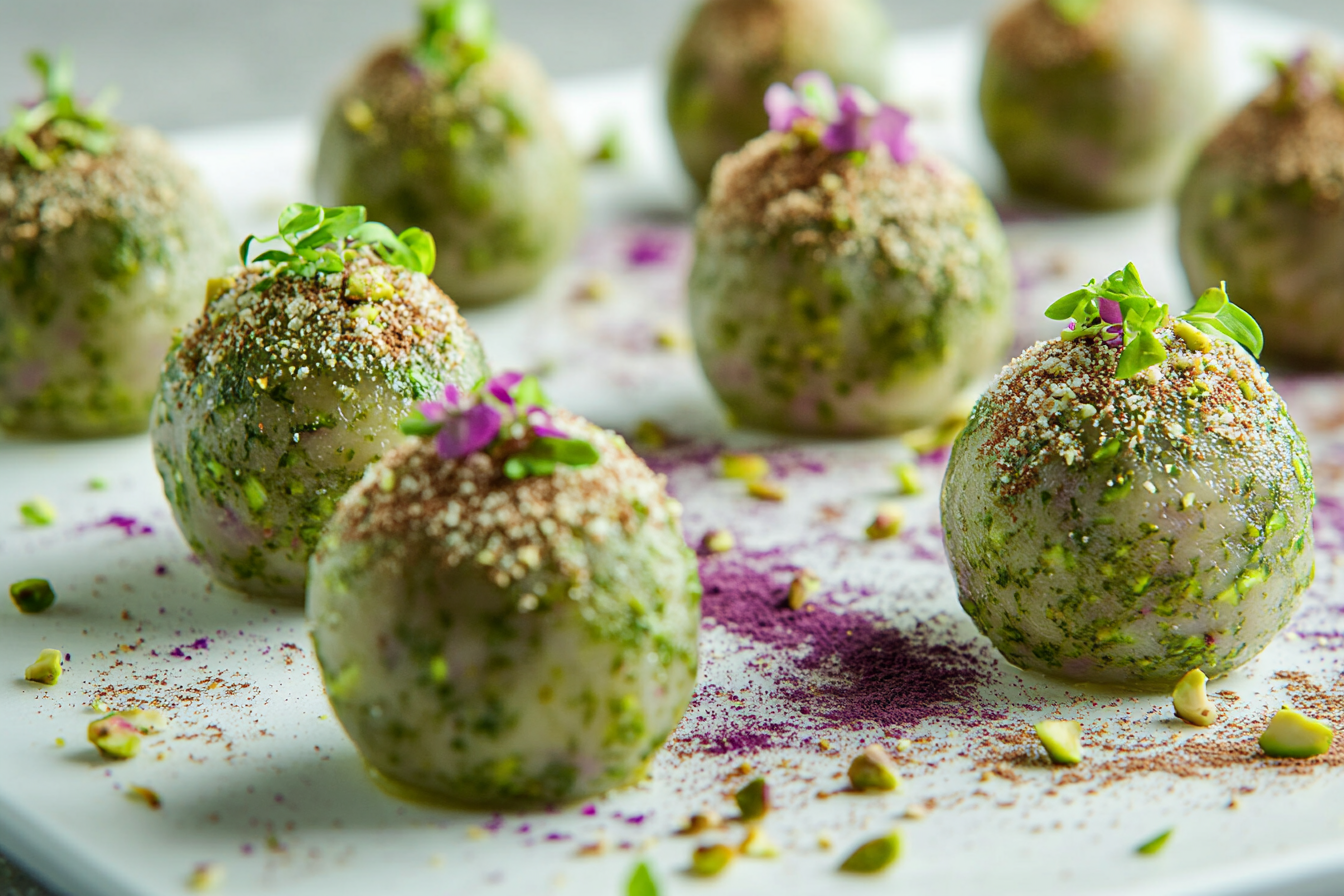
635 819
589 809
495 823
129 525
651 248
198 644
553 836
852 669
160 570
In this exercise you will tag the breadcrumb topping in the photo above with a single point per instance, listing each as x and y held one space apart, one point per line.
475 514
1060 401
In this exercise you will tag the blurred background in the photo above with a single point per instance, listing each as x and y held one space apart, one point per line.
194 63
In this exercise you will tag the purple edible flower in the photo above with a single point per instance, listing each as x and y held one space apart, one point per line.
1109 310
469 431
542 424
501 387
854 120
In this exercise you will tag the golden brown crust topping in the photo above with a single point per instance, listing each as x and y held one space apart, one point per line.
471 511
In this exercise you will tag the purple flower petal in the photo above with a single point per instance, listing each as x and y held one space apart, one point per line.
855 102
650 248
452 395
844 136
501 386
783 107
816 93
1110 311
469 431
891 126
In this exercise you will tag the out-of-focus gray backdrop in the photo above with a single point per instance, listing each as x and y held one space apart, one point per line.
189 63
194 63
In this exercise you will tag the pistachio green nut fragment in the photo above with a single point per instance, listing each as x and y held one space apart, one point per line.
1191 700
708 861
115 737
753 800
1291 735
32 595
38 511
748 467
146 721
758 844
1154 846
874 856
47 668
1063 741
873 769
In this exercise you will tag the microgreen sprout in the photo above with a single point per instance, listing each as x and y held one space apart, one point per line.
1120 311
1075 12
455 35
847 120
42 132
508 416
1305 77
319 240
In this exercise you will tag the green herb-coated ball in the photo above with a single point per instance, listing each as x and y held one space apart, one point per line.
280 394
1264 208
499 642
1097 103
845 294
477 158
1128 531
102 256
733 50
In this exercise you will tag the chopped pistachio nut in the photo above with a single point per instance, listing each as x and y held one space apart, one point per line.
146 721
874 855
115 737
1154 846
1062 740
32 595
369 284
753 800
205 876
651 434
805 584
701 822
672 339
97 484
887 523
908 478
1195 339
708 861
37 511
1291 735
144 794
758 845
47 668
718 541
873 769
747 467
904 744
765 490
641 882
916 811
1192 701
217 286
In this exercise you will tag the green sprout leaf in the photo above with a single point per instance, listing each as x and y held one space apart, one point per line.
44 132
529 394
1142 315
1075 12
544 454
316 239
455 35
642 882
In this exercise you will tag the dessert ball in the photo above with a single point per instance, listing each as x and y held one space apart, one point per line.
846 292
501 636
732 50
1263 208
457 134
282 391
106 238
1130 530
1097 103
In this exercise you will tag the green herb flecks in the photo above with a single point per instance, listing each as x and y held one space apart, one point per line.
318 239
1121 312
43 132
454 36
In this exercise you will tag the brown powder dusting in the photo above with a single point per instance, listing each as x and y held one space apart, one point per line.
1270 142
509 527
1033 35
1061 401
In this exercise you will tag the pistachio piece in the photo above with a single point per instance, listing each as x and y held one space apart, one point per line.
145 795
205 876
753 800
146 721
115 737
1291 735
718 541
1154 846
873 769
758 845
908 478
1195 339
217 286
47 668
874 855
887 523
650 433
38 511
805 584
701 822
1191 701
766 490
708 861
32 595
747 467
1062 740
